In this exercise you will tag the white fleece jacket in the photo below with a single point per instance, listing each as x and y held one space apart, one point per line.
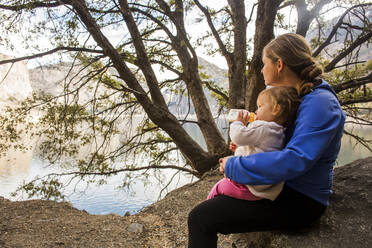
258 136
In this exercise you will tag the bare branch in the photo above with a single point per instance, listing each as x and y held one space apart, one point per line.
7 73
360 140
360 40
349 63
131 169
286 4
33 5
69 49
222 46
360 121
355 100
353 83
252 10
158 22
218 92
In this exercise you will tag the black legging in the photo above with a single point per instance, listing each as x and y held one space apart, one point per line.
226 215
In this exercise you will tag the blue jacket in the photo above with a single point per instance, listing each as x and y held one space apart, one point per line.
306 163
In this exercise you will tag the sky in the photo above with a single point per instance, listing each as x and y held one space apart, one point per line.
193 29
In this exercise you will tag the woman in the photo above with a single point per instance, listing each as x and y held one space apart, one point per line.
305 164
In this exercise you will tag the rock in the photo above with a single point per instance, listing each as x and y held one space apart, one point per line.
346 223
127 213
135 227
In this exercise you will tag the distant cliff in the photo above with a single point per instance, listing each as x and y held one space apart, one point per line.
14 82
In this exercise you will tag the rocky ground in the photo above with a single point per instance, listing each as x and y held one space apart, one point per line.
38 223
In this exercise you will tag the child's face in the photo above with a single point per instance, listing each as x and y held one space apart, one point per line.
265 110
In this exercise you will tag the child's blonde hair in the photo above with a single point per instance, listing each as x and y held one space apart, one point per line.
285 100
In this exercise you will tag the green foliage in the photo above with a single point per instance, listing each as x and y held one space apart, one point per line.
341 75
280 22
49 189
216 93
9 136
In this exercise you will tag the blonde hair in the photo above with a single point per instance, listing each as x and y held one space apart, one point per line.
287 100
296 53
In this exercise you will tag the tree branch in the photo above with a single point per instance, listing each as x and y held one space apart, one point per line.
160 24
252 10
79 173
222 46
33 5
168 67
359 120
223 95
142 57
360 40
69 49
356 100
353 83
286 4
361 140
349 63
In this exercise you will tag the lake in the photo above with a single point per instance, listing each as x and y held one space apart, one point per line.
108 198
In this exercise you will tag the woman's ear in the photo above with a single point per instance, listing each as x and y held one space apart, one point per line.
279 65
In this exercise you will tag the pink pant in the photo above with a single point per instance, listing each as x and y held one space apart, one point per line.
230 188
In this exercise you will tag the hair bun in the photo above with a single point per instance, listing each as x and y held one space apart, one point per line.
310 72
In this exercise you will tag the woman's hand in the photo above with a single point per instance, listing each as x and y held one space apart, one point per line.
243 117
222 162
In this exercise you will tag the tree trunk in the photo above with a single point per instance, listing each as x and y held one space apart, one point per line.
305 17
237 65
266 13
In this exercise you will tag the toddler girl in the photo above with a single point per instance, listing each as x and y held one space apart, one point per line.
277 107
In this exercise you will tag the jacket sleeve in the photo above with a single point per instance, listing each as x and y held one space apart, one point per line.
319 120
247 135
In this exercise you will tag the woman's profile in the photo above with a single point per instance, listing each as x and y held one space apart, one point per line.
305 164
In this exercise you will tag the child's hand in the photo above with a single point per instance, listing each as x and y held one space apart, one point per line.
243 117
233 146
222 162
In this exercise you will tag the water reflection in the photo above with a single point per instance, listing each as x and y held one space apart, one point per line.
15 163
350 149
14 169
